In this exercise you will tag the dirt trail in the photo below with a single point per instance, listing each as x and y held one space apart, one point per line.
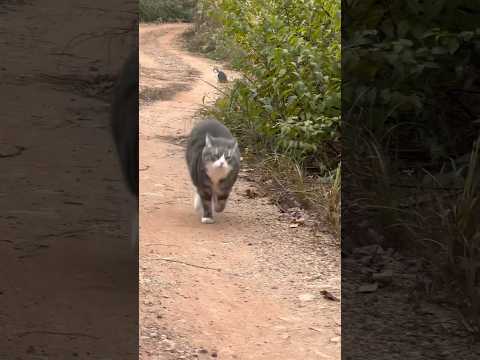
67 276
247 287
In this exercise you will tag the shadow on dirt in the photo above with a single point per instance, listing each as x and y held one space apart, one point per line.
152 94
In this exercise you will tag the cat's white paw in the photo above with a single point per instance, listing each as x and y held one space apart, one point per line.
206 220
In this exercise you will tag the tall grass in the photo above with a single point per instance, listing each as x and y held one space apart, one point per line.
463 223
435 213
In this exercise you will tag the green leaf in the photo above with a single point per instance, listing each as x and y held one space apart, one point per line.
403 27
453 45
438 50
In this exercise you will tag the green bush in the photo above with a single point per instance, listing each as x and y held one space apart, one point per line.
166 10
289 98
411 104
404 62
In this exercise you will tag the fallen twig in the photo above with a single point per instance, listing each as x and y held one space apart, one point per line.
215 87
279 183
329 296
188 264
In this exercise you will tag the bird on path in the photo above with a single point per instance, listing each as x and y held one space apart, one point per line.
221 76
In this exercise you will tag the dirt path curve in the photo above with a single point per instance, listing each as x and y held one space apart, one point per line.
264 301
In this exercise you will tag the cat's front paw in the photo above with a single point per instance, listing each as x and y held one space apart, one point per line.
206 220
220 206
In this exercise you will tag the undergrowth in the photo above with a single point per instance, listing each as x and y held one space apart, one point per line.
285 108
166 10
410 160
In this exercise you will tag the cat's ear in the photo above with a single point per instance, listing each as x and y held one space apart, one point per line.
235 146
208 141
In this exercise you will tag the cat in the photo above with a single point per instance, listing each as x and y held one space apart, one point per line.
213 160
125 129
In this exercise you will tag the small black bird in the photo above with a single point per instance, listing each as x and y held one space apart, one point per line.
222 77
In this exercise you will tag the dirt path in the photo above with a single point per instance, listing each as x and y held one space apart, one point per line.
67 276
247 287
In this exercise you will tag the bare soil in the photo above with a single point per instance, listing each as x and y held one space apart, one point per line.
68 280
247 287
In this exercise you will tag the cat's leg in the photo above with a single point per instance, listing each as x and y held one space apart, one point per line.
206 199
221 201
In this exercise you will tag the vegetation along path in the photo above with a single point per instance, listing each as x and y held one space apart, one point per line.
251 286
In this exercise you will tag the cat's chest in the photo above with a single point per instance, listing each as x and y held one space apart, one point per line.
217 174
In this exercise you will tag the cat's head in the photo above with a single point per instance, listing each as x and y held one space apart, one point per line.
220 152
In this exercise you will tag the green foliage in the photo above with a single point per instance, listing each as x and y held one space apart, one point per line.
404 60
410 97
166 10
289 54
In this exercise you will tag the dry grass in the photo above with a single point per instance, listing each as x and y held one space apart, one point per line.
289 185
442 223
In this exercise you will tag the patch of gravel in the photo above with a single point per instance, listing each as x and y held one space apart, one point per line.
292 250
295 262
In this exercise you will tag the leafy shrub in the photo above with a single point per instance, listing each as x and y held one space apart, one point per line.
289 99
404 61
166 10
410 101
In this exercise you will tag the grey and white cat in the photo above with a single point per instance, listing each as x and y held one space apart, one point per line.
213 160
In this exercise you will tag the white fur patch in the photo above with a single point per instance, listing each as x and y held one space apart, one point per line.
206 220
197 203
218 170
